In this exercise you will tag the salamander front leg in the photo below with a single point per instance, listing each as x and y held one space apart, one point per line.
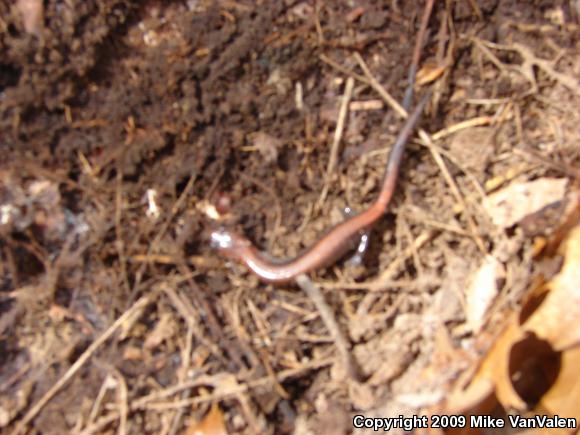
357 258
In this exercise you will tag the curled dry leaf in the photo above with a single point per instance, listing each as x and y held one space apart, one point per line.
556 336
481 292
535 360
164 330
556 320
509 206
497 368
354 14
563 398
267 146
212 424
473 148
32 12
429 73
302 10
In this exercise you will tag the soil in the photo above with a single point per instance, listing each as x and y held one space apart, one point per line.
122 122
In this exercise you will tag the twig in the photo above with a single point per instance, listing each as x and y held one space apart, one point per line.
339 67
336 139
356 106
182 305
100 424
414 252
491 57
107 384
468 123
145 402
476 9
529 61
535 156
192 315
87 354
329 320
120 245
123 405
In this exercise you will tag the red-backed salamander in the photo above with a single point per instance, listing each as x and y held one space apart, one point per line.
336 242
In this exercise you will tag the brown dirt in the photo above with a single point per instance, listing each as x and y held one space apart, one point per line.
101 103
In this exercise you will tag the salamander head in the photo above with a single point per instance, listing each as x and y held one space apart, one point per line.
229 244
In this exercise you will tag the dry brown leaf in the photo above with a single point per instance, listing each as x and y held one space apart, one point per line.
556 320
481 292
32 12
564 396
212 424
496 367
354 14
429 73
164 330
267 145
473 147
362 396
472 398
536 360
126 328
510 205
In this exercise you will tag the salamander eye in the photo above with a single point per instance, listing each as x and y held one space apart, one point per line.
221 239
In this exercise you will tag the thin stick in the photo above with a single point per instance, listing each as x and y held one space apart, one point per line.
118 227
468 123
182 305
331 324
342 69
123 405
144 402
107 384
336 139
536 156
87 354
